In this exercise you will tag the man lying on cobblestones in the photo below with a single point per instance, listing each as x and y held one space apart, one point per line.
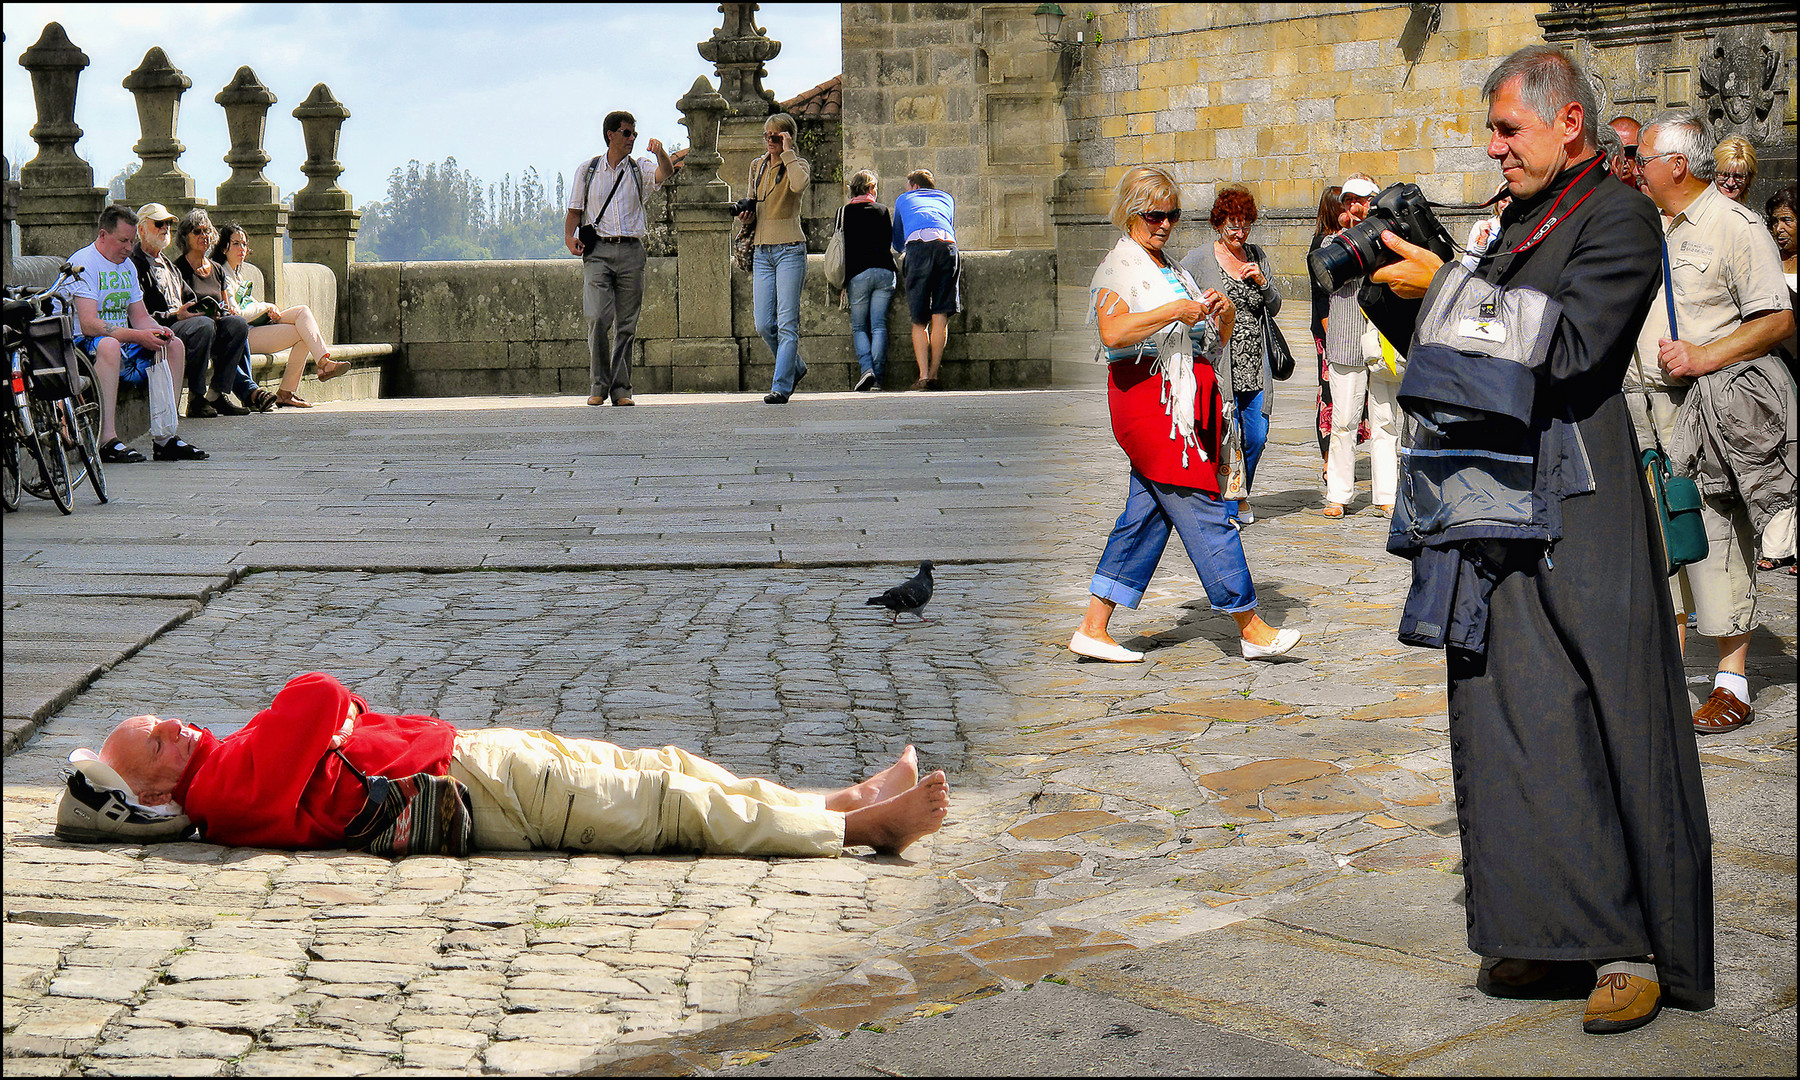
290 779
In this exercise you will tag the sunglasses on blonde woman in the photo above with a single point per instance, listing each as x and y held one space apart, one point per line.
1157 217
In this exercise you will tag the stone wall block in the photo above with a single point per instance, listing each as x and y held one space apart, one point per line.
372 310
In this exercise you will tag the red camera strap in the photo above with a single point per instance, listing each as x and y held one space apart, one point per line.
1553 220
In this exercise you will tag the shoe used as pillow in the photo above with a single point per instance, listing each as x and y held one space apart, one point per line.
99 808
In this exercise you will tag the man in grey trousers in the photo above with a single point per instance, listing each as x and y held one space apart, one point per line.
605 225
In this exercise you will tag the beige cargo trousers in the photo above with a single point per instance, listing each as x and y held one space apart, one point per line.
534 791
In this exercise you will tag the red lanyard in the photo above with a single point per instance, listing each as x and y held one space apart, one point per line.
1551 222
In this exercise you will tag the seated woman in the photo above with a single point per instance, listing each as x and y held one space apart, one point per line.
273 329
1169 416
230 362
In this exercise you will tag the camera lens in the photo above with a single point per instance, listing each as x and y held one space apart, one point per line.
1334 262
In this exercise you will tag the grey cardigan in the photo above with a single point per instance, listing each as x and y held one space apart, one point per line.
1204 265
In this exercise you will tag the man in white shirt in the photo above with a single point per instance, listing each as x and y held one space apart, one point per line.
118 333
1731 307
605 225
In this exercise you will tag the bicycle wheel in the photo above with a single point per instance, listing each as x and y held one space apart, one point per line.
53 465
84 421
9 469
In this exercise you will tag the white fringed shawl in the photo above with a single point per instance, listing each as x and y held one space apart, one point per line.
1129 273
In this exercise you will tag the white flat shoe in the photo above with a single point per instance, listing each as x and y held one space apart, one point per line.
1284 642
1245 517
1082 645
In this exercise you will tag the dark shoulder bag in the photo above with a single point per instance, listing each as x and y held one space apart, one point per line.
1677 498
419 814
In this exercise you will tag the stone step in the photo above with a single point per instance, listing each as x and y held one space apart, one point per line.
363 382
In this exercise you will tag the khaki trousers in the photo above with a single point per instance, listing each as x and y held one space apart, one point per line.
534 791
1720 589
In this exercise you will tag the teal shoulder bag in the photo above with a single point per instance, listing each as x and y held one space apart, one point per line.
1677 498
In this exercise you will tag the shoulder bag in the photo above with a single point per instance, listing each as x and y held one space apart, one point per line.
419 814
1281 361
743 245
834 253
1677 498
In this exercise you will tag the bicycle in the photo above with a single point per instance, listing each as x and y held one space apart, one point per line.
54 404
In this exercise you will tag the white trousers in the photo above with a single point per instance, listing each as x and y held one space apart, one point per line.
1350 387
534 791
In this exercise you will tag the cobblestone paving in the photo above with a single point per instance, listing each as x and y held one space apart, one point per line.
1266 847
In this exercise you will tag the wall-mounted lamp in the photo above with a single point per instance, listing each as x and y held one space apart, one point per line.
1049 23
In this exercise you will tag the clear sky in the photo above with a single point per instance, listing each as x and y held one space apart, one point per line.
500 87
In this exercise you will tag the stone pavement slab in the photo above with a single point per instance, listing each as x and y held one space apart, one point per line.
1192 844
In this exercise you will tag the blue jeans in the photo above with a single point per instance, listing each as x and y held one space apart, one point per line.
1137 542
870 294
1255 427
776 272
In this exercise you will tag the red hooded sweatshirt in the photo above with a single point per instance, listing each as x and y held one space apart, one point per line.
276 783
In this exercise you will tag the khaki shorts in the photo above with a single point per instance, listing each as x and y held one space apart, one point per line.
534 791
1721 589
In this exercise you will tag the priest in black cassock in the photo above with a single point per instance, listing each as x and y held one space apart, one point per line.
1587 852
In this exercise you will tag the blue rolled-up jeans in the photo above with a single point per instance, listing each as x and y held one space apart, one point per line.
1255 428
871 292
1137 542
777 273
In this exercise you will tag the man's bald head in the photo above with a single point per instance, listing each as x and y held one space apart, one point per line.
151 755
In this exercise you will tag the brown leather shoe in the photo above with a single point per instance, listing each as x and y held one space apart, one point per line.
1621 1002
623 399
1723 711
1536 980
596 399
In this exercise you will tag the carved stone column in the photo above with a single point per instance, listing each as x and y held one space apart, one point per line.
323 224
158 87
738 50
247 197
58 202
705 353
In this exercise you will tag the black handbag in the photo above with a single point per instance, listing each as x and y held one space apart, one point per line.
1281 360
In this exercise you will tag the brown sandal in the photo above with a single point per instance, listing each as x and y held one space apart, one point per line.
1722 711
330 369
288 400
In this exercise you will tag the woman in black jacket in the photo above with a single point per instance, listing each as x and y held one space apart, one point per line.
1329 208
868 276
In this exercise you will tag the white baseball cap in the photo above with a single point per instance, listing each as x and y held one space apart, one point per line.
1356 185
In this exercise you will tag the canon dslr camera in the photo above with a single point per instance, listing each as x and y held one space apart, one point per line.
1358 251
744 206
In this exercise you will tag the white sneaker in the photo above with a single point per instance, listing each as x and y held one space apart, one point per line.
1245 517
1284 642
1082 645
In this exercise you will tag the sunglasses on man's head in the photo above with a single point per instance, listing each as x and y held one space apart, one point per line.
1157 217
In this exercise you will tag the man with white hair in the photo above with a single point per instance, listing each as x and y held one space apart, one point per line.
1730 309
1587 852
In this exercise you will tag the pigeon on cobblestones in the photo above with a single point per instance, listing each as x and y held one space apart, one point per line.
910 595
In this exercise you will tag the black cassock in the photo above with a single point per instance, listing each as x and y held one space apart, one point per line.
1577 777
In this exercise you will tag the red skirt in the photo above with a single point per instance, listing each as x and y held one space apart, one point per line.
1141 426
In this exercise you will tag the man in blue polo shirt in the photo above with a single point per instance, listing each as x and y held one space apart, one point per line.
118 333
925 231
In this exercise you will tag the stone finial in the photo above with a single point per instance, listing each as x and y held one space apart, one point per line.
701 108
55 65
321 119
246 101
737 50
158 85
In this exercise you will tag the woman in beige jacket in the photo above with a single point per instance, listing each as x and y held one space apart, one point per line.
778 269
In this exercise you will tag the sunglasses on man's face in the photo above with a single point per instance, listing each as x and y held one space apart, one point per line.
1631 152
1157 217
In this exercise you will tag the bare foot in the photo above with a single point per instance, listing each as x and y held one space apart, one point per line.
896 779
891 827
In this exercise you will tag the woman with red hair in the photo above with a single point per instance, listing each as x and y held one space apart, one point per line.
1240 270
